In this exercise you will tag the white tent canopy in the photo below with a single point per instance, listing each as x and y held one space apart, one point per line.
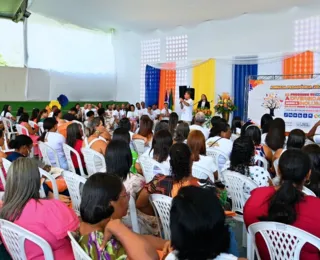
141 15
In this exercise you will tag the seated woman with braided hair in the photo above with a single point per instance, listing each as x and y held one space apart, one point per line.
242 161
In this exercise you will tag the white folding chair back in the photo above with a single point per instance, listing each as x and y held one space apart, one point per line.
22 130
162 207
41 129
78 252
236 183
276 166
68 150
139 146
33 124
201 173
6 164
133 215
148 165
75 184
283 241
53 181
308 192
3 179
258 158
95 162
81 125
220 159
46 150
15 236
8 127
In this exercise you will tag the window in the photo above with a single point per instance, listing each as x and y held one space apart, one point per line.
150 53
11 43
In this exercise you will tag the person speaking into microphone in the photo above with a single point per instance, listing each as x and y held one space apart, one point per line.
203 103
186 105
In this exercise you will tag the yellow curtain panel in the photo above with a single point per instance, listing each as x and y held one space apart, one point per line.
204 81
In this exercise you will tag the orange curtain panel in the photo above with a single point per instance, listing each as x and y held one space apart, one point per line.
299 66
167 83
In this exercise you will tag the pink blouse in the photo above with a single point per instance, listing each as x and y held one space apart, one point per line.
49 219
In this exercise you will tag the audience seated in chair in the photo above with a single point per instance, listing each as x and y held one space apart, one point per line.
119 161
287 203
74 140
22 146
54 140
49 219
43 114
199 231
104 201
181 175
181 133
98 136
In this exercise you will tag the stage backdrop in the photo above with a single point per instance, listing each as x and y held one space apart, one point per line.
297 101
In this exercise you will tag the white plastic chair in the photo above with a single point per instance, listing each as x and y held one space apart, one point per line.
78 252
45 151
139 146
75 184
308 192
82 126
95 162
15 236
236 183
162 206
258 158
201 173
283 241
8 127
53 181
6 164
67 151
41 129
133 215
218 156
22 130
148 165
33 124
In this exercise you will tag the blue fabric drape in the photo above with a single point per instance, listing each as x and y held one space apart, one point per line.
152 85
240 90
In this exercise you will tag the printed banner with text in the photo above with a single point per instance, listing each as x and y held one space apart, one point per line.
297 101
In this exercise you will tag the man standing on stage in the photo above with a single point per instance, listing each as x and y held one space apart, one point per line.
187 107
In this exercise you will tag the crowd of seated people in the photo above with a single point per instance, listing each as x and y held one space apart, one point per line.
198 231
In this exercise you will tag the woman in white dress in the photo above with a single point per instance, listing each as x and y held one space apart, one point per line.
196 142
119 161
198 229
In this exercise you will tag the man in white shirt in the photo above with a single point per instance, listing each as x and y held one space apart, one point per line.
149 113
199 120
165 113
116 113
155 111
123 112
186 105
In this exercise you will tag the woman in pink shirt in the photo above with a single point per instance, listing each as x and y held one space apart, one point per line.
49 219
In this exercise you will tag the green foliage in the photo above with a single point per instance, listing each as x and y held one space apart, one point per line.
2 61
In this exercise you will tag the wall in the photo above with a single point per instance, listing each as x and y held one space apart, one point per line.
252 34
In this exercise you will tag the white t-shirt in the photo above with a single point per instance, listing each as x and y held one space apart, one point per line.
156 113
206 162
204 130
165 164
222 144
116 114
123 113
132 115
8 115
151 115
186 114
203 104
55 141
164 113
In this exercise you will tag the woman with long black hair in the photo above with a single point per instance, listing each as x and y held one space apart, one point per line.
287 203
